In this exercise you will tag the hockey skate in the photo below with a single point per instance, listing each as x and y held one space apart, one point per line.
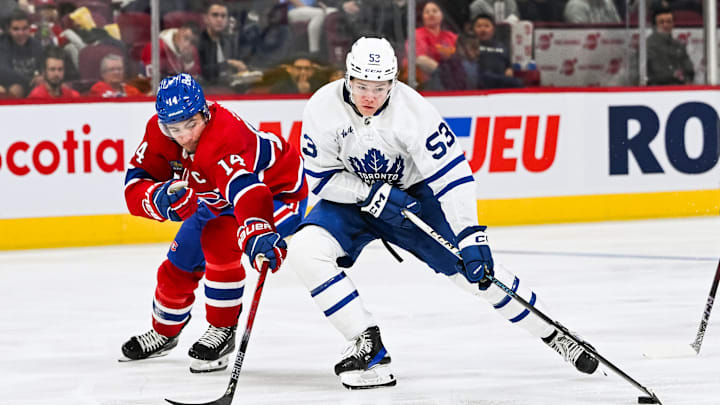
212 350
148 345
572 352
366 363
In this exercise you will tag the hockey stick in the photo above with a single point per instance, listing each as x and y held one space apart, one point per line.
662 351
227 398
706 315
651 398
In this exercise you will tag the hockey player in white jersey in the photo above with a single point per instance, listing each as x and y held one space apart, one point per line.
373 147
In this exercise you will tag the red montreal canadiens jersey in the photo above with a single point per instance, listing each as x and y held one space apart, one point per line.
234 165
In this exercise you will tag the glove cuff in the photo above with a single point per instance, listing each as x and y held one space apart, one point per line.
472 235
252 227
377 199
148 204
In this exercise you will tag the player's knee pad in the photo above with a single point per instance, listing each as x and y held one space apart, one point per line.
312 254
508 307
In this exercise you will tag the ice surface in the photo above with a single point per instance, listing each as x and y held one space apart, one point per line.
621 285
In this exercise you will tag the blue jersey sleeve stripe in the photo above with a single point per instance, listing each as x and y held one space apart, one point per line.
445 169
341 304
240 183
320 175
137 173
324 286
264 154
452 185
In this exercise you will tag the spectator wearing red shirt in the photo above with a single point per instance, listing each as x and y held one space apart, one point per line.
433 44
178 52
112 76
53 77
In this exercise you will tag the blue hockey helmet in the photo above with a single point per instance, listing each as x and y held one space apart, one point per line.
179 98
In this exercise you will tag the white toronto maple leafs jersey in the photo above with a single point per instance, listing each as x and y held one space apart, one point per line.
404 143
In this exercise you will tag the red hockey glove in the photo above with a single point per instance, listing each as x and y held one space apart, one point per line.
170 200
258 240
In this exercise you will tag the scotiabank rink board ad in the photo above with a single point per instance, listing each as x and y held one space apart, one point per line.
536 158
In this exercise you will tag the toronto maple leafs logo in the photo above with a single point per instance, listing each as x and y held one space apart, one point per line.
374 166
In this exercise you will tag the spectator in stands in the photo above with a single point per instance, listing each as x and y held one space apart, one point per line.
489 7
485 61
112 77
667 59
300 78
313 13
433 44
385 18
493 59
178 52
21 56
47 29
591 11
53 75
218 49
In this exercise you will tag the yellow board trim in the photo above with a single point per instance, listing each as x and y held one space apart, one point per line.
55 232
605 207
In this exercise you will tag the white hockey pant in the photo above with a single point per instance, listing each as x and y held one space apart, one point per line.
509 308
312 253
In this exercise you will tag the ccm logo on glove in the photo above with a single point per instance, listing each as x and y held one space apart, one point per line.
387 202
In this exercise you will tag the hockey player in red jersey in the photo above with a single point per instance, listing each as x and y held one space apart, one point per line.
235 188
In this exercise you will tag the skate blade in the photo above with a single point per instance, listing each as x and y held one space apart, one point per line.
124 359
208 366
376 377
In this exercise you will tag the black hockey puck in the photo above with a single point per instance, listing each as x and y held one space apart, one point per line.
647 400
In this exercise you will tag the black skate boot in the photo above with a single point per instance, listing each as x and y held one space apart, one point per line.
572 352
212 350
366 363
148 345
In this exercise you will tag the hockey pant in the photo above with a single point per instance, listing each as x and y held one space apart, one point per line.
207 246
314 255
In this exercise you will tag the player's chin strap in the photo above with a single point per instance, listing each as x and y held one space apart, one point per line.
559 327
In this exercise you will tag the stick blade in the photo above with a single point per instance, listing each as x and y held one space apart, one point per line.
669 351
224 400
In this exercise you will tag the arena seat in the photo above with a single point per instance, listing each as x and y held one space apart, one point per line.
176 19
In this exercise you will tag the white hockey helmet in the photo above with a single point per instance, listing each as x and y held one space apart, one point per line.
371 59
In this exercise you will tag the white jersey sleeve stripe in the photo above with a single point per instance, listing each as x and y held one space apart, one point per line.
446 169
453 184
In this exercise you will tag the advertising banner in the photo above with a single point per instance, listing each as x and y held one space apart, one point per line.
69 160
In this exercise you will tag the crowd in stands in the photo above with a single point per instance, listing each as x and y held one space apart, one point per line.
101 48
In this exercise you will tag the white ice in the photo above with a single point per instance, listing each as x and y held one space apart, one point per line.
621 285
